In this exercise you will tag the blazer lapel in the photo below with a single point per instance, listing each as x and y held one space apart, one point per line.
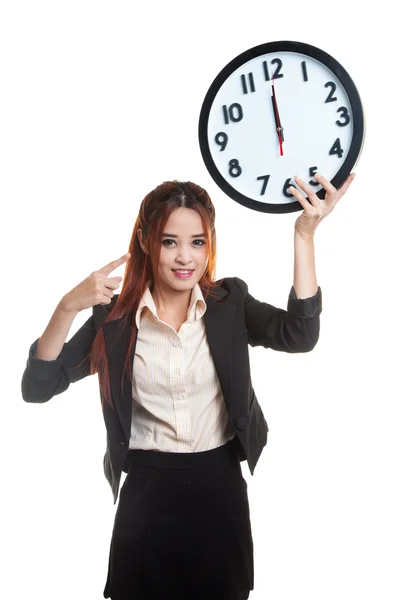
218 320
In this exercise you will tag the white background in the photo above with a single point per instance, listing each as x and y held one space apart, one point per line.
99 104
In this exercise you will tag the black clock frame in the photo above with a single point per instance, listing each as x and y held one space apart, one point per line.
268 48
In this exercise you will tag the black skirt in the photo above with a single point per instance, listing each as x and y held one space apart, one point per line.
182 528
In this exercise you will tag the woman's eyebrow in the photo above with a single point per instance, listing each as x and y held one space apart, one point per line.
175 236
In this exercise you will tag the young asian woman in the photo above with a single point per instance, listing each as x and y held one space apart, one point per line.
171 353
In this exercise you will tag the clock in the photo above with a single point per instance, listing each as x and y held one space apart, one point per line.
277 110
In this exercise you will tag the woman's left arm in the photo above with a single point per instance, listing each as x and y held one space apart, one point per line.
304 278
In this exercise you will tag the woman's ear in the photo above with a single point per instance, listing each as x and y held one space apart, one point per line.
142 245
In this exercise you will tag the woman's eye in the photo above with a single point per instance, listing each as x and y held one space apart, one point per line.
170 240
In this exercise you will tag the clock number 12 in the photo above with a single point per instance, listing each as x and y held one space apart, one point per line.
277 73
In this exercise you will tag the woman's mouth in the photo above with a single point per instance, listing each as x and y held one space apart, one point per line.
183 273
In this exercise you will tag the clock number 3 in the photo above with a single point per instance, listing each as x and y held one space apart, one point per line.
345 115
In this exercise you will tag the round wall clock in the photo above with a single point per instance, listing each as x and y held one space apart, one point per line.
278 110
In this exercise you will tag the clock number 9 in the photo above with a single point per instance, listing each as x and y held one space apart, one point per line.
234 166
221 139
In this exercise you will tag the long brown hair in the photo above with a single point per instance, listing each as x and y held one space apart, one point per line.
141 269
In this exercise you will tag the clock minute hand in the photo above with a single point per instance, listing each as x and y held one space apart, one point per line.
279 128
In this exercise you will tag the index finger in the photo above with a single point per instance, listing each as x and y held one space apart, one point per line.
114 264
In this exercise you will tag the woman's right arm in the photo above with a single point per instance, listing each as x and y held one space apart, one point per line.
52 363
52 340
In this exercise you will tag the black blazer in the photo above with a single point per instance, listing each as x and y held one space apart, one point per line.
232 321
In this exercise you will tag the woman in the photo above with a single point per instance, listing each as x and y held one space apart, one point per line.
171 352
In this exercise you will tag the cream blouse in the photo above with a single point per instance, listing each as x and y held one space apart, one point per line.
178 404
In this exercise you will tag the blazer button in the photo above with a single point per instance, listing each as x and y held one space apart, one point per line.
241 422
123 443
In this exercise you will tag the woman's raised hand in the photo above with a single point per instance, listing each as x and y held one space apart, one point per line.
95 289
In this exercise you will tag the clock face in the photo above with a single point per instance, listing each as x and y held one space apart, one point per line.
279 110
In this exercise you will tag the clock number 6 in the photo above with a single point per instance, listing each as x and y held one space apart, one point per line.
286 187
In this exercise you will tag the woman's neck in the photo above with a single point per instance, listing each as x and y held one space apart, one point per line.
172 302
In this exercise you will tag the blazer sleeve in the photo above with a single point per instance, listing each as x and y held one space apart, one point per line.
43 379
293 330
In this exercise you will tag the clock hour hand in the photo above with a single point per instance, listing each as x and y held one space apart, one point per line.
279 128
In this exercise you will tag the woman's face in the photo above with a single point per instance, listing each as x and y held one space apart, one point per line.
183 246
